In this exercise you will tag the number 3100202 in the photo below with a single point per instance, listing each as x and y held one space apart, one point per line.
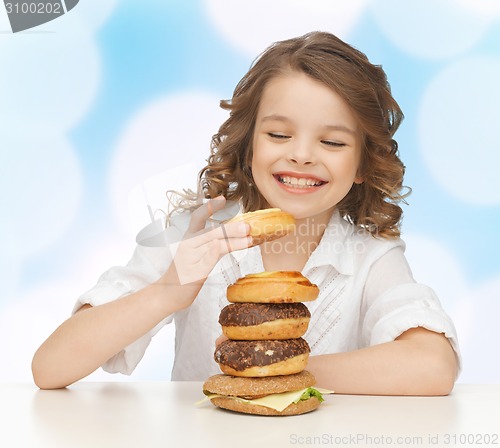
33 8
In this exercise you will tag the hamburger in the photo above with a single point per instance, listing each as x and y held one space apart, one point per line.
277 395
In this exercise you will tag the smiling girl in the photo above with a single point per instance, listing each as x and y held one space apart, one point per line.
310 131
306 154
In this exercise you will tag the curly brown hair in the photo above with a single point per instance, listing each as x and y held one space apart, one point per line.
362 85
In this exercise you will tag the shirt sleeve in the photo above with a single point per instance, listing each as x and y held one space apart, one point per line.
394 303
147 264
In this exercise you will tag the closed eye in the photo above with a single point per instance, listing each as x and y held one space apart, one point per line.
278 136
333 143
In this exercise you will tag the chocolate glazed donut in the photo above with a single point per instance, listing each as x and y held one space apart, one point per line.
260 321
262 358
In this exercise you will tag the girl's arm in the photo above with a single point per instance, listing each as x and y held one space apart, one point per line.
419 362
95 334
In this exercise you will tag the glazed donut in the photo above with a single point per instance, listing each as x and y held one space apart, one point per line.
272 287
267 225
259 321
262 358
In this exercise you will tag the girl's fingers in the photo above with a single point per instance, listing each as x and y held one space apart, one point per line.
212 250
197 263
201 214
202 248
224 232
232 244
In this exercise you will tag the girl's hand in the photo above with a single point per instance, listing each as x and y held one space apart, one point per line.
220 340
201 248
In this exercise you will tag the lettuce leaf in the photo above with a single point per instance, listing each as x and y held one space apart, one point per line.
310 392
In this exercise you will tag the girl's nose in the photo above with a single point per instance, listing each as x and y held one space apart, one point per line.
301 153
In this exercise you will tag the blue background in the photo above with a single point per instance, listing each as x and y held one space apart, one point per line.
106 107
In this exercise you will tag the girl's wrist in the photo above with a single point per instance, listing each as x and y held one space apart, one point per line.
171 292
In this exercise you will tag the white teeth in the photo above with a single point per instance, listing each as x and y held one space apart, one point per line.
301 182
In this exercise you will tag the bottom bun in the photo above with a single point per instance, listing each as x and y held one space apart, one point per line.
301 407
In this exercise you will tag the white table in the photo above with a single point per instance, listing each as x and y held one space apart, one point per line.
163 414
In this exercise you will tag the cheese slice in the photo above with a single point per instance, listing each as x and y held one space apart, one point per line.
273 401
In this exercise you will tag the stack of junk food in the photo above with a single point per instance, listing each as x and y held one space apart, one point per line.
264 358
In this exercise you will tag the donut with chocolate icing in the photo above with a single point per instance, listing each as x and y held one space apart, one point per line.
262 358
259 321
272 287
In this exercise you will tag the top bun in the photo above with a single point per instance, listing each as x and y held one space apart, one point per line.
254 387
273 287
267 225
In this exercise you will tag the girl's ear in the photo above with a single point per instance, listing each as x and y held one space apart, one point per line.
359 180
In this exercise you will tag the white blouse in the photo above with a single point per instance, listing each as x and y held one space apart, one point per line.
367 296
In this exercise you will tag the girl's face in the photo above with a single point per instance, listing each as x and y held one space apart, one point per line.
307 146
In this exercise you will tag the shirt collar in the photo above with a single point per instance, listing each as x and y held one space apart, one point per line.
336 247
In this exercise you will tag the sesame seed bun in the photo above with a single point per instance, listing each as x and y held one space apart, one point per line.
254 387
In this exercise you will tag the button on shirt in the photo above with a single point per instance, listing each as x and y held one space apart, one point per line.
367 296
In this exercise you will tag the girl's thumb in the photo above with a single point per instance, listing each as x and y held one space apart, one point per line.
216 204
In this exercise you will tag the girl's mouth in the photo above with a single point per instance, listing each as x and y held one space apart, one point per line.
301 183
